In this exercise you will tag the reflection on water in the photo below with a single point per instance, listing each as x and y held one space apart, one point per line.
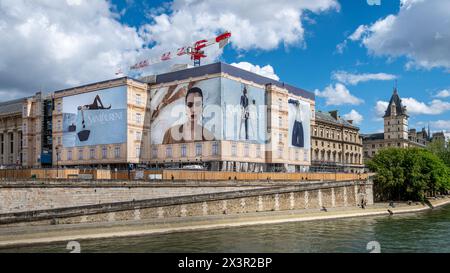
422 232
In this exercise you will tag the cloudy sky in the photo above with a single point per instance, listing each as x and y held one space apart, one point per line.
348 52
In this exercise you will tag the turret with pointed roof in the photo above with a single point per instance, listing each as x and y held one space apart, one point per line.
395 103
395 119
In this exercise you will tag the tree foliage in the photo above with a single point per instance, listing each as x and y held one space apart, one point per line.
442 150
408 174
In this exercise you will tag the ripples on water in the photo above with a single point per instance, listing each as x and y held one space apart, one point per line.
422 232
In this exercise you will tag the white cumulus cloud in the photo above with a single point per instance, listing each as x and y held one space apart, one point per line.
420 32
47 45
254 24
381 107
57 44
262 24
441 125
443 94
338 95
266 71
415 107
435 107
354 79
356 117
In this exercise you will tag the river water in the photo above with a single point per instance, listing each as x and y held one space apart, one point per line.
419 232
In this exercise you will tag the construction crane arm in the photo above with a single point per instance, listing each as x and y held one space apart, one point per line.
196 51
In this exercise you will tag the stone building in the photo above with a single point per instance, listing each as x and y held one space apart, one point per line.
247 122
439 137
336 144
11 133
396 133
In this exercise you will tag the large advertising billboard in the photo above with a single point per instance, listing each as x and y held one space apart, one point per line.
245 112
299 124
183 113
94 118
208 110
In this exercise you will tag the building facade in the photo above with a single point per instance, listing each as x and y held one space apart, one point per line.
396 133
11 145
336 144
214 117
439 137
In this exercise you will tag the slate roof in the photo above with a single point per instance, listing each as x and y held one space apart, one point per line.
377 136
11 107
398 103
89 84
230 70
324 116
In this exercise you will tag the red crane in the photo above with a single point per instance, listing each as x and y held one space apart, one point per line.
196 51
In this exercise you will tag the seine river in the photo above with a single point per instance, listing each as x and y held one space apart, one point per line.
420 232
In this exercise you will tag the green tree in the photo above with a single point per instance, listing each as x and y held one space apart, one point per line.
441 149
408 174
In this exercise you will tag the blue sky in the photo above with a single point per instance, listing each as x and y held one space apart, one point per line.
346 51
311 66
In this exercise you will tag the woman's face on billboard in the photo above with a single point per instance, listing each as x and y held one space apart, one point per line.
194 103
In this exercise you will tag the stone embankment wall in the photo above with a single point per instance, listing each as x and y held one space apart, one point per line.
21 199
240 200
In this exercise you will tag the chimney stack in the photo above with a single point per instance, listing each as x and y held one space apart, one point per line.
334 114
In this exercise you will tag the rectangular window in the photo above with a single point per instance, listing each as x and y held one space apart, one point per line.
138 118
233 149
117 152
92 153
280 152
138 151
154 152
138 99
280 138
104 152
2 145
80 154
183 150
215 148
258 151
138 136
198 149
11 138
69 155
280 122
246 150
